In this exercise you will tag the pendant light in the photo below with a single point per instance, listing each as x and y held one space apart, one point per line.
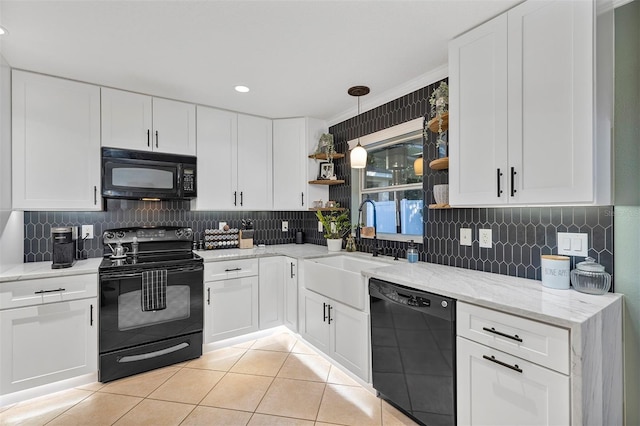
358 154
417 166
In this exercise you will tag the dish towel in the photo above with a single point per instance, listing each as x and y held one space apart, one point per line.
154 290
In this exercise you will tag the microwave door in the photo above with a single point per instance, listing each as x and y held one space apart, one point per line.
136 179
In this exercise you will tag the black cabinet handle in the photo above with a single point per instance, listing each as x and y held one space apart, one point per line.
156 138
499 333
324 312
513 181
95 195
330 308
504 364
208 295
148 137
292 274
241 198
498 176
302 196
235 198
48 291
234 269
91 316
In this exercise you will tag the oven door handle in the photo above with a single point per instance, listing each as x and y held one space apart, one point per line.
155 354
138 273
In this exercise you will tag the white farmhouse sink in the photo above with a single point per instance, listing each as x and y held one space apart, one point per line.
339 277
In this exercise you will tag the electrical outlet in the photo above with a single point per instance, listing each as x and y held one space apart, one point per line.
221 225
285 226
465 236
87 232
319 226
484 235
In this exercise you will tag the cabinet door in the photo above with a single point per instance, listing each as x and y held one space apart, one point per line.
174 127
232 308
478 115
217 159
271 292
313 315
291 293
289 161
350 338
55 144
493 394
254 163
551 101
47 343
126 120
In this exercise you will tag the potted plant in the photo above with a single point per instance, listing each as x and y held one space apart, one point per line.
439 102
326 146
336 224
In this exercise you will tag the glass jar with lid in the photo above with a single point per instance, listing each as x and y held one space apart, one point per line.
590 277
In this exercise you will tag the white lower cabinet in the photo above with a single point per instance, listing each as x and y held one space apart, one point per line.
231 299
338 330
271 294
500 387
291 293
47 342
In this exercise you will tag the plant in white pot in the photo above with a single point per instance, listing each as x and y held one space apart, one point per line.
336 225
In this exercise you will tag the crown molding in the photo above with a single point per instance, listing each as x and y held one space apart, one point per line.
392 94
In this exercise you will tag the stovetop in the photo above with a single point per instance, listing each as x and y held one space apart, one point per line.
147 248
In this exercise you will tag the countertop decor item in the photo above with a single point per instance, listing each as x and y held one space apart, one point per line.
555 271
590 277
336 225
358 155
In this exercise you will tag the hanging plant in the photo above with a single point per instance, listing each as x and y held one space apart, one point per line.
326 146
439 102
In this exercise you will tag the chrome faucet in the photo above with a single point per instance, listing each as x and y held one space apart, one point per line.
375 227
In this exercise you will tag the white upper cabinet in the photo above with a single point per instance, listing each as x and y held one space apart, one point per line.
234 161
531 109
293 140
140 122
255 151
55 143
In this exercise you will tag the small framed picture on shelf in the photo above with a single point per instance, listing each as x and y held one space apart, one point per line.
326 171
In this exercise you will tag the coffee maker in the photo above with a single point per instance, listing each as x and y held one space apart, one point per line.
64 246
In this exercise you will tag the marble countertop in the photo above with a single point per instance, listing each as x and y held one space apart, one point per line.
33 270
509 294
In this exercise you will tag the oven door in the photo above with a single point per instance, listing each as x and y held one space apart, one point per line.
143 306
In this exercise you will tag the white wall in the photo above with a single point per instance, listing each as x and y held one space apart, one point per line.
11 223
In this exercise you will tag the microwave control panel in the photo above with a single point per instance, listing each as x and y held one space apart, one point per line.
188 180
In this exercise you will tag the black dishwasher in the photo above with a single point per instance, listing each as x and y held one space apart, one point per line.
413 336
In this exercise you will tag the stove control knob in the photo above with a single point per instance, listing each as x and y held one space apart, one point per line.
179 232
444 304
108 235
120 234
188 232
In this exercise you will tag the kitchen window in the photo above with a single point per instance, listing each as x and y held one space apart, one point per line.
391 182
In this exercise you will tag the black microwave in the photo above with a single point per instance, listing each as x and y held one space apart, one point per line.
142 175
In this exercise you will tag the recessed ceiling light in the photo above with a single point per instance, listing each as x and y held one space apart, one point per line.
3 31
242 89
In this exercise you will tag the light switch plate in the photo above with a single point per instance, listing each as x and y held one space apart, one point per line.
572 244
221 225
465 236
319 226
484 236
285 226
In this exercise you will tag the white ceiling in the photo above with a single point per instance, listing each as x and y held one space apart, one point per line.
298 57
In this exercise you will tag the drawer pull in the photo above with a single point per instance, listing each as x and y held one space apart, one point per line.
508 336
48 291
232 270
504 364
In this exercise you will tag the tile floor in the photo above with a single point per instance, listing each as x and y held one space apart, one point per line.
276 380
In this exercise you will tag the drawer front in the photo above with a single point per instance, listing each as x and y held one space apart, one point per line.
22 293
216 271
540 343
